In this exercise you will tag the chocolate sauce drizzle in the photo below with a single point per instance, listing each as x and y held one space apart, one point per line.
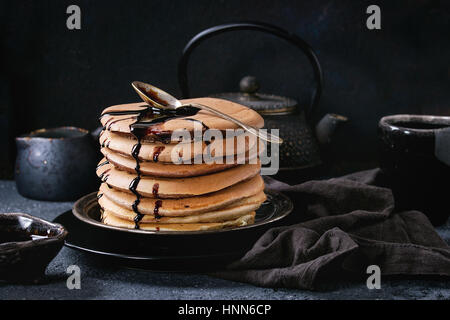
207 143
157 152
198 121
104 176
139 129
155 190
101 164
106 143
139 134
158 204
132 187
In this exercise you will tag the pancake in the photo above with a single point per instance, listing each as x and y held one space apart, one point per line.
155 187
234 211
168 170
244 220
121 123
151 151
187 206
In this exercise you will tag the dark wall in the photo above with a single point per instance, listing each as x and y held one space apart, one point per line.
51 76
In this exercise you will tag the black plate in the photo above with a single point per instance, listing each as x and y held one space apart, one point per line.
168 250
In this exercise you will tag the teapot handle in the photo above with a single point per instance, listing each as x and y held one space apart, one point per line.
257 26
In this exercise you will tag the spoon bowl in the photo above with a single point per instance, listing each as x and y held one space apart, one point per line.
155 97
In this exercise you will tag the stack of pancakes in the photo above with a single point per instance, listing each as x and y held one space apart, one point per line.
143 188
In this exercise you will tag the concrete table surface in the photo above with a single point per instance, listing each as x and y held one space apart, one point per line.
110 282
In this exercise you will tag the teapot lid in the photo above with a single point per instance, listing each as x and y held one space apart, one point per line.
262 103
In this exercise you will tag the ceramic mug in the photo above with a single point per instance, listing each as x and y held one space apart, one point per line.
415 159
56 164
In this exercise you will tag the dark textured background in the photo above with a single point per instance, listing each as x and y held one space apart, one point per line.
51 76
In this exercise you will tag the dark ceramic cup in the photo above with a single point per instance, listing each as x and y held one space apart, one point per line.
56 164
415 159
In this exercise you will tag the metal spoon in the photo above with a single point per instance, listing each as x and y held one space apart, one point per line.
162 100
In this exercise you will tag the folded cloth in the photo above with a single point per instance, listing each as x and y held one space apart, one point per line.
351 224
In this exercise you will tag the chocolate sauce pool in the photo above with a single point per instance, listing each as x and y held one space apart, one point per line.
139 129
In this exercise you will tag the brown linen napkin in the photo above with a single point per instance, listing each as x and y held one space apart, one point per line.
351 224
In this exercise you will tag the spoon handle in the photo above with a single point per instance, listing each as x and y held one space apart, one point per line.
264 135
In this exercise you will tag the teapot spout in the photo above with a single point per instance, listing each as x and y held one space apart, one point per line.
326 127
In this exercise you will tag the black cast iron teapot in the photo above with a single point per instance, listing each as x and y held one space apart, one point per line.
300 149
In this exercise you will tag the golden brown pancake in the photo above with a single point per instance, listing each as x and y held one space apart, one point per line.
151 151
177 188
121 123
159 169
231 212
112 220
187 206
169 170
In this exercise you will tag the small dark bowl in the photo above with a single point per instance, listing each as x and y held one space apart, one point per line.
27 245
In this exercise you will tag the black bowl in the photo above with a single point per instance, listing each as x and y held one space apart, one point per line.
27 245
